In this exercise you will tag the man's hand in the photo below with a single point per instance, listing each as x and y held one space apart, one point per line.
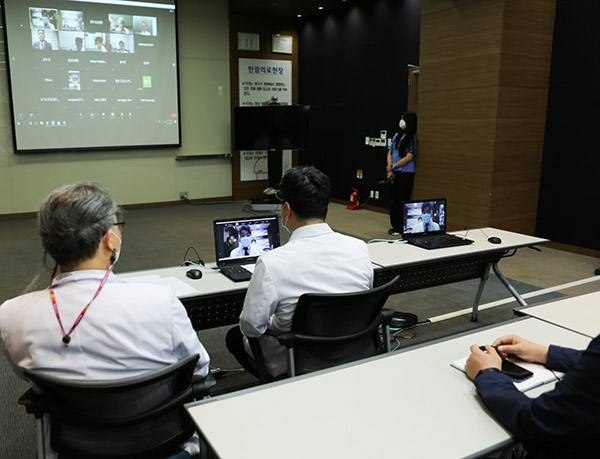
518 347
480 360
390 174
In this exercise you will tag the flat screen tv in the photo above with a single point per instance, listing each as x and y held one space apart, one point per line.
272 127
92 74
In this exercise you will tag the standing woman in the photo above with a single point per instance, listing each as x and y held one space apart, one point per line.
401 168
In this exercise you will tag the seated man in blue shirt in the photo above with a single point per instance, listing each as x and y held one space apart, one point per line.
315 260
564 422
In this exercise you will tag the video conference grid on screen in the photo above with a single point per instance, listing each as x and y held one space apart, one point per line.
413 216
87 74
239 239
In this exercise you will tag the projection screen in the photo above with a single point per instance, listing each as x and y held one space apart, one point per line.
90 74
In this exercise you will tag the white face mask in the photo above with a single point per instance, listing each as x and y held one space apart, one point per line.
245 241
402 124
118 253
285 225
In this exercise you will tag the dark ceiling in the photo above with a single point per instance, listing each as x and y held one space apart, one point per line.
284 8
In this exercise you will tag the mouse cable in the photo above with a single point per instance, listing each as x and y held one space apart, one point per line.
484 233
198 265
391 241
467 229
185 258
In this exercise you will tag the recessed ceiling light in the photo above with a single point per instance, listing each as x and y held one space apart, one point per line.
320 7
299 15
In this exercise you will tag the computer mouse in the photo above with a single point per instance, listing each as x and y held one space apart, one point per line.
494 240
194 274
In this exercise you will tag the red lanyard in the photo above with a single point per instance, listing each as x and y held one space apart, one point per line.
66 339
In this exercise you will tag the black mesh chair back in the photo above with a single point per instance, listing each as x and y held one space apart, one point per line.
333 329
141 416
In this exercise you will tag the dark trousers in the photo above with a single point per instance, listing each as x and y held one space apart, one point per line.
235 344
401 191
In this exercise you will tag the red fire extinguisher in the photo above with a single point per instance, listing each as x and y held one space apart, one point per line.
354 205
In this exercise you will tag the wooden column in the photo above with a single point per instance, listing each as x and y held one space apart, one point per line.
265 26
483 85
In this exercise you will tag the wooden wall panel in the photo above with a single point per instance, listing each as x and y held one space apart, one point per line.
484 70
514 201
467 114
456 154
459 72
468 195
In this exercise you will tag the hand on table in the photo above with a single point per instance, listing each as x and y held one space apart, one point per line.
516 346
480 360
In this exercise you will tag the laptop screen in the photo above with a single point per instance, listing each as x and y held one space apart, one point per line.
245 239
425 217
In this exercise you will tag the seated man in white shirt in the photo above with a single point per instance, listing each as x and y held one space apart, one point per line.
315 260
88 324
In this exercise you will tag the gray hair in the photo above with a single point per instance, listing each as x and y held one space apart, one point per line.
72 220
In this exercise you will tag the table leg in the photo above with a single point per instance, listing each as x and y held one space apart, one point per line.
484 277
510 288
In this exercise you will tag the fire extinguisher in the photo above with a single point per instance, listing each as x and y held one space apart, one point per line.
354 205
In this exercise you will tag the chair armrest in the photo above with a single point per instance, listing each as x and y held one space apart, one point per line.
288 339
201 388
387 315
32 403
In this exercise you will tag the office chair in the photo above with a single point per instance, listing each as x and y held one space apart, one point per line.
142 416
332 329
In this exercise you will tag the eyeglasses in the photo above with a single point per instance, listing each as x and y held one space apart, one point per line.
119 224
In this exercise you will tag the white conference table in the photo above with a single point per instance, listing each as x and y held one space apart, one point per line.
580 314
212 301
215 300
405 404
421 268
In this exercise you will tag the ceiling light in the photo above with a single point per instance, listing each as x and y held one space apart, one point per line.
320 7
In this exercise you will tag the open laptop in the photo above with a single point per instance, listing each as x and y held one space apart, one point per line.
240 241
425 225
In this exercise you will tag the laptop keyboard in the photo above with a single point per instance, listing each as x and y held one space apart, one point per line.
436 241
441 237
235 269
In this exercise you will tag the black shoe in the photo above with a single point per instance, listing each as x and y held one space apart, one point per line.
393 232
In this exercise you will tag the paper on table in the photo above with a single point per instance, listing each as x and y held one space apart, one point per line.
180 287
541 375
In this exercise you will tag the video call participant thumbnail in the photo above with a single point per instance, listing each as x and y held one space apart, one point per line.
41 43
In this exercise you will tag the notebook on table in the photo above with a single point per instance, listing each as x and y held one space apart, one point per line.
425 225
240 241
